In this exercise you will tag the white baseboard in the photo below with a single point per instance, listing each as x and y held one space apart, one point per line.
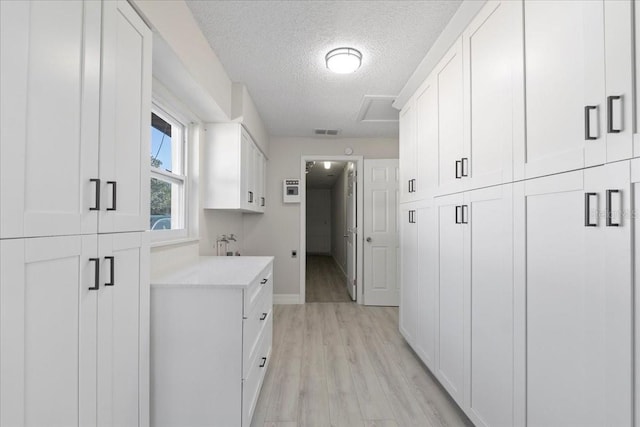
286 299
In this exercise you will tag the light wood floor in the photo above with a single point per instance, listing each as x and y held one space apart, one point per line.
325 282
343 364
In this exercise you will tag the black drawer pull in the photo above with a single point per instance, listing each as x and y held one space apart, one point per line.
262 198
465 214
113 195
112 264
610 222
250 196
465 166
458 172
610 128
587 210
96 279
458 209
264 316
264 362
263 281
97 205
587 122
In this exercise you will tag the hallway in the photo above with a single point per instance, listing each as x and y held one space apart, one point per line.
325 282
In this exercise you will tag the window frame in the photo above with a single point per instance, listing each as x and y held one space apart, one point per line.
179 204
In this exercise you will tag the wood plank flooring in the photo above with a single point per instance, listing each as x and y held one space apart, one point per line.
343 364
325 282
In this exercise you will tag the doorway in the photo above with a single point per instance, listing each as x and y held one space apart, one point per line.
331 208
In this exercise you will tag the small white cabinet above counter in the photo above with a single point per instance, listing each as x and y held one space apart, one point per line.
235 170
211 330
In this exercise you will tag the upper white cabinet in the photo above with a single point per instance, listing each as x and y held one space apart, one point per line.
426 153
408 162
74 118
494 94
579 97
234 169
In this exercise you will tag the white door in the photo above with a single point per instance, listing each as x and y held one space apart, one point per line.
408 316
488 282
125 119
380 231
494 82
565 87
407 152
48 330
575 268
352 233
50 81
452 217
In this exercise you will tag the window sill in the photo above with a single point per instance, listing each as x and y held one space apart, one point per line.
174 242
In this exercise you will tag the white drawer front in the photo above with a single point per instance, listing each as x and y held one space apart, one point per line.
252 294
254 326
253 383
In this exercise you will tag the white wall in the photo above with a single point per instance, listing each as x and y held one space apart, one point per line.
339 219
245 112
318 221
277 231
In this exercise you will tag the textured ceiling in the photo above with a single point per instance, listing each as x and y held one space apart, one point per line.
321 178
277 49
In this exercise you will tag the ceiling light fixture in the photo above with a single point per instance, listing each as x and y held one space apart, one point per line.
327 165
343 60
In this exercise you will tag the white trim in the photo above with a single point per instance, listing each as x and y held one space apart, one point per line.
174 242
359 162
460 21
286 299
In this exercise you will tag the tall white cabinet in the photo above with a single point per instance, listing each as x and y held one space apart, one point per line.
518 269
74 257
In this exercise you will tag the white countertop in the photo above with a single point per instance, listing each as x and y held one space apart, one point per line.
220 271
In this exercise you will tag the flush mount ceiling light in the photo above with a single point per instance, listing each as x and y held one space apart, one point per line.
343 60
327 165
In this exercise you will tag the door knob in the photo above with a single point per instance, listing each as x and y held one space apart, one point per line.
369 239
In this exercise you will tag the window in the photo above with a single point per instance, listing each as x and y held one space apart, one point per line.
168 175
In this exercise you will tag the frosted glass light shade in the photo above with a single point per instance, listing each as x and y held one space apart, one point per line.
343 60
327 165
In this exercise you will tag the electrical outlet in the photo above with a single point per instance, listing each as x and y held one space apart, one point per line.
294 254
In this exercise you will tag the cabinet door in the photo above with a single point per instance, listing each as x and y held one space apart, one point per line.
494 83
47 334
451 217
121 356
564 69
426 154
260 181
247 193
125 116
408 273
450 124
488 270
49 80
407 152
636 77
635 183
426 281
577 280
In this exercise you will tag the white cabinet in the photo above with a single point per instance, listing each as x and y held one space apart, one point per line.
493 94
579 98
235 169
573 263
72 347
73 116
211 332
408 312
407 141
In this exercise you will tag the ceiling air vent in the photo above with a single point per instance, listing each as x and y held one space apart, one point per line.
330 132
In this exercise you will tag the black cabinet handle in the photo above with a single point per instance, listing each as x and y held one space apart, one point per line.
587 122
96 181
263 281
413 185
264 362
458 209
610 100
610 222
458 164
264 316
113 184
465 166
96 279
587 210
412 217
250 196
465 214
262 198
409 186
112 268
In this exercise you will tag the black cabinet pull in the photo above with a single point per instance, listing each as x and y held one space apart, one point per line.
250 196
610 222
587 210
458 164
458 208
465 166
610 100
113 185
465 214
263 281
264 362
112 268
96 279
96 181
413 185
409 186
587 122
262 198
264 316
412 217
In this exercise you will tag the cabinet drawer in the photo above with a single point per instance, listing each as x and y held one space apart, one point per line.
253 383
262 283
254 326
